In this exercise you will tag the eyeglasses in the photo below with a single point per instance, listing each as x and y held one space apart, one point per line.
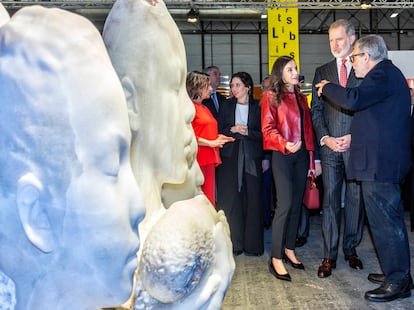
352 57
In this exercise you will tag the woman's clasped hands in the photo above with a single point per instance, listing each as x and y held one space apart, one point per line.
241 129
293 147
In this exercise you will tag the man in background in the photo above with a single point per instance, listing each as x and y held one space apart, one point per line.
216 99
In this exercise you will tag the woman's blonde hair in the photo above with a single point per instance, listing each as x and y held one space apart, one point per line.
195 83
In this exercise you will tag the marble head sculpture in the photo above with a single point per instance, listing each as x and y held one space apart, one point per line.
186 260
148 53
69 202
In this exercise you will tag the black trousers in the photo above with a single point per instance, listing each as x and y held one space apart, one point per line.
289 174
244 208
385 215
333 174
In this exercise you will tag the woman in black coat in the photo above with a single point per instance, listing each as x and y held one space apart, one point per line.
239 177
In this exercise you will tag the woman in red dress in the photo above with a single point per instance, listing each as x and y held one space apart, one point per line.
206 131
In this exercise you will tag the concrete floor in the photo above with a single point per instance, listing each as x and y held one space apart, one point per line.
253 287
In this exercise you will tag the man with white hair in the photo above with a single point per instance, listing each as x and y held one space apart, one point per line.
380 157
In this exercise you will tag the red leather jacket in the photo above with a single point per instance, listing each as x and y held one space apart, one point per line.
282 124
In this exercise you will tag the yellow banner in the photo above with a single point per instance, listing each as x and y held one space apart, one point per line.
283 33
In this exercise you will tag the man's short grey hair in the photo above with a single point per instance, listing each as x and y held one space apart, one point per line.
349 27
374 45
209 68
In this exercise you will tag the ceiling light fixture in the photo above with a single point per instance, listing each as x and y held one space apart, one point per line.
395 13
192 16
365 4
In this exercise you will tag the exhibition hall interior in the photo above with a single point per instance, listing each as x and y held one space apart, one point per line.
114 196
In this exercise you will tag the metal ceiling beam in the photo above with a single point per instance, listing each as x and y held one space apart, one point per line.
222 5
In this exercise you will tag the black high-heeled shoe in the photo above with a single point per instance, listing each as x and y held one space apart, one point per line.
284 277
294 265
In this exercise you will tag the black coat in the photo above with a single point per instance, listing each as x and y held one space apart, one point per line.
210 104
380 146
253 149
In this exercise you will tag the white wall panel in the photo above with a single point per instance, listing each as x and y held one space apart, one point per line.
314 51
193 49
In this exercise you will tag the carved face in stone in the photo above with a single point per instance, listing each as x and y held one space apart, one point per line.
148 54
70 205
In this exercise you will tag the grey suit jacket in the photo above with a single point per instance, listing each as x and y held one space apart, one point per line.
329 119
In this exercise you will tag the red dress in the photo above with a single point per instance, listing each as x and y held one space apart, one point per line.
205 126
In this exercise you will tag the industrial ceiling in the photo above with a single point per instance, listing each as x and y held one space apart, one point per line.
210 10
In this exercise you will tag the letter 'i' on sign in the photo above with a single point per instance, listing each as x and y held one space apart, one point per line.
283 32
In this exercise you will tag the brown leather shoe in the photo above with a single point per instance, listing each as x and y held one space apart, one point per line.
325 269
354 262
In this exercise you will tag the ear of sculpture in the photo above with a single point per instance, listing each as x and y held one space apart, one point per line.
131 98
33 215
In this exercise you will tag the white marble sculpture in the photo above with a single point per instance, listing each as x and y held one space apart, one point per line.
148 53
4 15
69 202
186 260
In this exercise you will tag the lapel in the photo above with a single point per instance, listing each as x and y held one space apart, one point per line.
332 72
232 111
332 75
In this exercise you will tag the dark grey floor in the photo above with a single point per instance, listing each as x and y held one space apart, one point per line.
253 287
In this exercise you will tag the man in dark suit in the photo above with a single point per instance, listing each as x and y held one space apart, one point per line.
380 157
332 128
216 99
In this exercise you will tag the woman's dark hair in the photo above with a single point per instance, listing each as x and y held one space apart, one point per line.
246 79
276 76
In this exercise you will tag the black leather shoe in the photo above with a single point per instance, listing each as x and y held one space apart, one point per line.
300 241
388 292
284 277
237 252
354 262
379 278
294 265
325 269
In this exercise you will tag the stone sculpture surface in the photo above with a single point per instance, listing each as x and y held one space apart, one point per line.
69 202
148 53
4 15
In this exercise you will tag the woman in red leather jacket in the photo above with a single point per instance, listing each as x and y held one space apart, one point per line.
288 133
